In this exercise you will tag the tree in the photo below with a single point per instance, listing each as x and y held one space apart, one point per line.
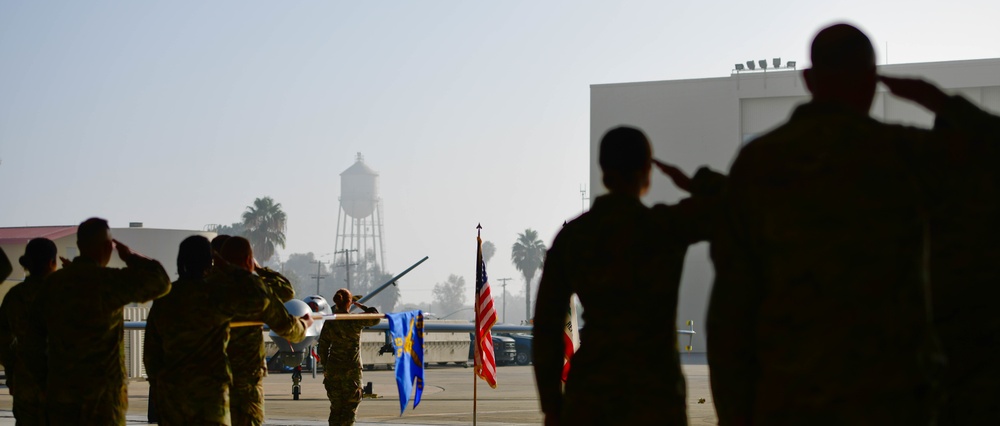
526 255
303 266
234 230
366 276
488 251
264 222
449 296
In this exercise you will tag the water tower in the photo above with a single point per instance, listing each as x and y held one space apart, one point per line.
359 222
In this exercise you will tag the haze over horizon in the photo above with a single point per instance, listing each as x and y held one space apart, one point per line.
180 114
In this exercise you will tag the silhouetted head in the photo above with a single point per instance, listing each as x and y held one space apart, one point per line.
194 257
39 257
343 299
626 160
217 243
843 68
93 238
237 251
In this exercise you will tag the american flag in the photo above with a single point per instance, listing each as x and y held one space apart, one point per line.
486 316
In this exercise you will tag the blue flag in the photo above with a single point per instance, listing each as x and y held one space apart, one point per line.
407 330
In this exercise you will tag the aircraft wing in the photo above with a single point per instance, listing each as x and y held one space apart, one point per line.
384 325
428 326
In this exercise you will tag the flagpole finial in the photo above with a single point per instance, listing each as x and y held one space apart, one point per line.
479 229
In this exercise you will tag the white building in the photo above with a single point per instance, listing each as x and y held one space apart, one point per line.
705 121
159 244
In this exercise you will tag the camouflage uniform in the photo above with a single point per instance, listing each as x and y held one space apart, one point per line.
5 266
964 277
246 349
16 316
820 308
619 246
185 344
86 376
339 350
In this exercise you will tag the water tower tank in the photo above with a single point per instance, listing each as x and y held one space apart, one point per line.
359 189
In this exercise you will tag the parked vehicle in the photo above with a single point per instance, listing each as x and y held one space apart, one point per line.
504 349
523 344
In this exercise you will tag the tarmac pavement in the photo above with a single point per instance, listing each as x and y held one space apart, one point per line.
447 399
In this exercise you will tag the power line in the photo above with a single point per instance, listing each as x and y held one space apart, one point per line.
347 265
504 287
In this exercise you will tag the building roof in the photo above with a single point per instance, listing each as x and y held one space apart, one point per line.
21 235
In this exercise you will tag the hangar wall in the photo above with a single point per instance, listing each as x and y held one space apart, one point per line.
705 121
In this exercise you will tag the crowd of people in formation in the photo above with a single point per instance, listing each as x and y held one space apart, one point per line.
203 348
857 268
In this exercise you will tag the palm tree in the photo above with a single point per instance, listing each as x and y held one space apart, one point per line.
264 224
234 230
489 249
527 254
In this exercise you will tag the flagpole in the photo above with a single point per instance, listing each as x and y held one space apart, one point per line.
477 356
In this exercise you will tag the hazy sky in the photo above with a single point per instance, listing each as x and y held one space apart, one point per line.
178 114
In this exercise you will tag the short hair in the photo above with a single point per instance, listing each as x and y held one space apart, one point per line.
92 232
343 299
624 151
842 47
194 257
38 255
218 242
236 250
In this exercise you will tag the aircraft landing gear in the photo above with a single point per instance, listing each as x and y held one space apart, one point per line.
296 382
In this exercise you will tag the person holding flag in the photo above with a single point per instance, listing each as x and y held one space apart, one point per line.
339 349
620 246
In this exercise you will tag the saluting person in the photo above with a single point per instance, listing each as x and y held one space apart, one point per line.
339 350
187 332
246 344
84 325
16 317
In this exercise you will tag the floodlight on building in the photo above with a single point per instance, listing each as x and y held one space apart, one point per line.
751 65
790 64
776 62
763 64
739 67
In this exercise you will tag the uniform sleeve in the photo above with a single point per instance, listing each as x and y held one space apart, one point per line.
5 266
38 329
243 295
7 334
554 293
323 345
961 114
142 280
281 322
152 345
277 283
694 218
732 314
371 322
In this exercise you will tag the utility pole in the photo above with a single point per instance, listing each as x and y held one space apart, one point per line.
504 287
318 276
347 265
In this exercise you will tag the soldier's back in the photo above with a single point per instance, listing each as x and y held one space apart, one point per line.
832 207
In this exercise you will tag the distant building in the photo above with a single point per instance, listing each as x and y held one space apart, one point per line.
705 122
159 244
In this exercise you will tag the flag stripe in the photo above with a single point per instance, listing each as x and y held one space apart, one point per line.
486 317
